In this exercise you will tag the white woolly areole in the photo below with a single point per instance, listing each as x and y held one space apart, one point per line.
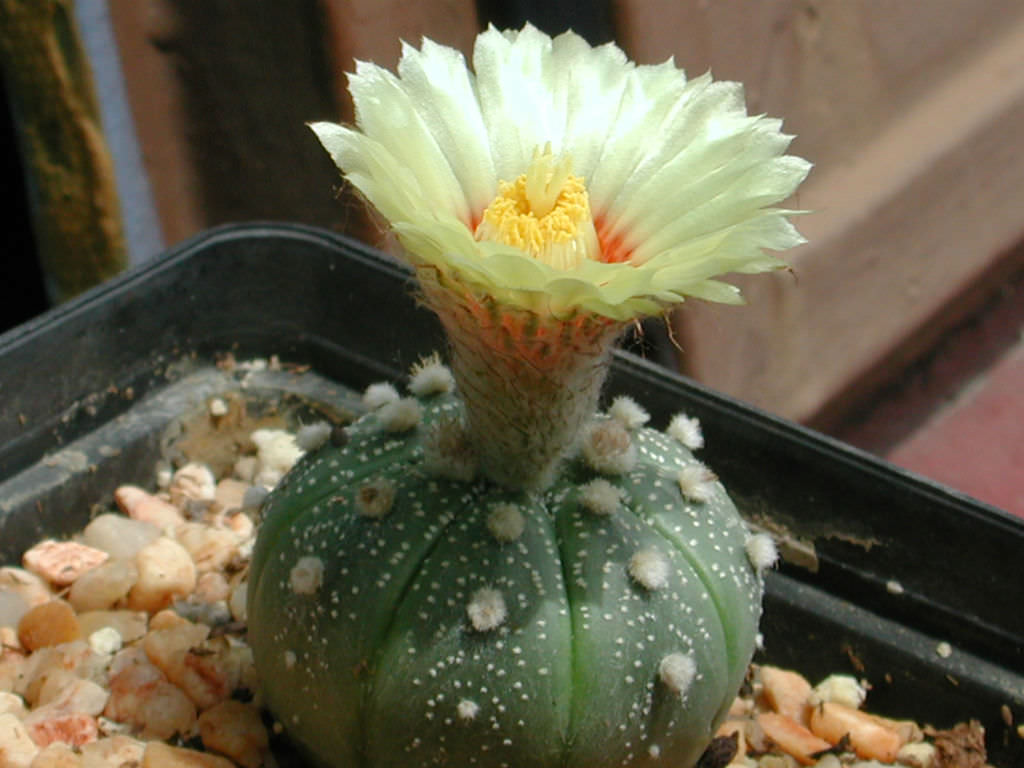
467 709
312 436
448 451
677 671
650 568
697 482
307 575
277 450
375 498
486 609
400 415
608 448
686 430
761 551
379 394
626 410
430 377
600 497
506 522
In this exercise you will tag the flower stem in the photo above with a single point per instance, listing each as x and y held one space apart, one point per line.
529 381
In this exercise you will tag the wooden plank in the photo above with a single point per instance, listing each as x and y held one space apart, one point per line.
908 215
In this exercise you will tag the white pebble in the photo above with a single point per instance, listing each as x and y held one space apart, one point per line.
628 412
677 671
650 568
486 609
104 587
218 407
761 552
105 640
686 430
237 602
379 394
375 498
506 522
192 482
600 497
119 536
12 607
697 482
307 575
608 448
431 377
400 415
312 436
277 451
838 689
254 496
16 746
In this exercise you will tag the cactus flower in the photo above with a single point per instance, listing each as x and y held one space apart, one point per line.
548 197
488 571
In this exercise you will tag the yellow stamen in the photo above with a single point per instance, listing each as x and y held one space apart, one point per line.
544 212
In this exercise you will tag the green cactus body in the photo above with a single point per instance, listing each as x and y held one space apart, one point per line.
402 618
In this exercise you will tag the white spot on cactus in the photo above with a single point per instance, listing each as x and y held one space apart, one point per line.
379 394
608 449
312 436
697 482
686 430
649 568
467 710
628 412
430 377
289 659
677 671
654 751
307 575
600 497
375 498
486 609
761 552
505 522
447 450
400 415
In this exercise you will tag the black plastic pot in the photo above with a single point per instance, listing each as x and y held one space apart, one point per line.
884 566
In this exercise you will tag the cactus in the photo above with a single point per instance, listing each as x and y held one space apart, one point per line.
488 571
412 618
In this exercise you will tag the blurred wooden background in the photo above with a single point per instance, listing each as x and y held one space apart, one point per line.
910 111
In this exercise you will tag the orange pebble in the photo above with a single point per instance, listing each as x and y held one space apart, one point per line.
48 624
787 692
791 737
870 737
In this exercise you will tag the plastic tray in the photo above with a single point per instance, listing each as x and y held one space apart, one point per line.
882 566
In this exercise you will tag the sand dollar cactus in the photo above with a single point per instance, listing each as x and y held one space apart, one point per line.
488 571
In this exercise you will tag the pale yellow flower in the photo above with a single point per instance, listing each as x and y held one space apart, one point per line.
557 177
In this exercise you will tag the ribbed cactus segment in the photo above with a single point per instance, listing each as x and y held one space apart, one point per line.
595 623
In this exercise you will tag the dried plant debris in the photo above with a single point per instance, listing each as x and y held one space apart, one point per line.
126 645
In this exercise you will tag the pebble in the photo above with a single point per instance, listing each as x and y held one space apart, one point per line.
17 750
61 562
166 573
49 624
33 590
120 536
192 482
160 755
235 730
104 587
140 505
